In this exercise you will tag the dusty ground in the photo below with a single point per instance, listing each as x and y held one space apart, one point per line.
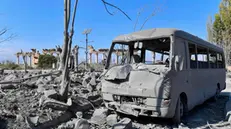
22 101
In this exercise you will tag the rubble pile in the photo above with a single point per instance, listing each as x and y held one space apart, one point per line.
26 101
31 100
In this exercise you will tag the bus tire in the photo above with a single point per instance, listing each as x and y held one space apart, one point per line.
217 94
179 112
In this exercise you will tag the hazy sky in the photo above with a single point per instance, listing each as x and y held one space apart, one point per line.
39 23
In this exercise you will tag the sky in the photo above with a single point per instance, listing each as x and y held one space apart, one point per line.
39 24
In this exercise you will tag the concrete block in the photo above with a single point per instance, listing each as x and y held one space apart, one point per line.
112 119
99 116
82 124
51 94
125 123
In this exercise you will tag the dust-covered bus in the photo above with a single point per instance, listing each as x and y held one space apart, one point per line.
162 72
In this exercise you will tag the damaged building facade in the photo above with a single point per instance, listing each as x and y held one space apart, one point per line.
189 71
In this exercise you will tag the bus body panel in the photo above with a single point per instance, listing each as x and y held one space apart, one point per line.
197 84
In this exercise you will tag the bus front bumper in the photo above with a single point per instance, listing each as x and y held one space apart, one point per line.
136 110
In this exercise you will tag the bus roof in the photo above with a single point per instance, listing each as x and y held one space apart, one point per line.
164 32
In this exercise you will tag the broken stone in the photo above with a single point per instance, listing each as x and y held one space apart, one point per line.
32 82
39 81
51 94
112 119
99 116
84 91
41 88
68 125
29 123
75 78
19 118
7 113
57 105
66 116
82 124
58 80
84 83
181 126
89 88
48 78
27 75
34 119
125 123
98 86
41 100
93 79
79 115
10 77
8 86
86 80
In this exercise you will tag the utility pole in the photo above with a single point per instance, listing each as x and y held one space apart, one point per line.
86 32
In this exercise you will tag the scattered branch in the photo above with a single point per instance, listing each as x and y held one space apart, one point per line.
109 4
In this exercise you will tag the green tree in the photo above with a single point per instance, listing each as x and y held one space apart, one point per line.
222 28
9 65
210 29
218 28
46 61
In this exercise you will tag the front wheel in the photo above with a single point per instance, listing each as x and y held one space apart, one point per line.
179 112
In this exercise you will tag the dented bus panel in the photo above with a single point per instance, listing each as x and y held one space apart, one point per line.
172 83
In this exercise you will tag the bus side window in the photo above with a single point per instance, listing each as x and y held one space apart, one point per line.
220 61
192 56
212 59
202 57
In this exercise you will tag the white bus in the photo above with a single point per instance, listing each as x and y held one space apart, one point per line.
162 73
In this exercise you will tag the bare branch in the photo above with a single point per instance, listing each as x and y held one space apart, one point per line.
8 38
109 4
150 16
137 17
73 17
3 31
68 12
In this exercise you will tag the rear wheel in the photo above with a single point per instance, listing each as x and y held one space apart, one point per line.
217 94
179 112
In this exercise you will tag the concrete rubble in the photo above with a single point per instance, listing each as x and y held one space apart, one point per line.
125 123
31 101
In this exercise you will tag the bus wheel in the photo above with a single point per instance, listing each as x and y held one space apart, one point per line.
217 94
179 112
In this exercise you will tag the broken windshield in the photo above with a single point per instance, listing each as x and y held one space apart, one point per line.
150 52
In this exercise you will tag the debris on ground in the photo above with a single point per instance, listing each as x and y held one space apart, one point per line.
30 100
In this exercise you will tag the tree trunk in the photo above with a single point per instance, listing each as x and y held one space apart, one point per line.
66 23
65 74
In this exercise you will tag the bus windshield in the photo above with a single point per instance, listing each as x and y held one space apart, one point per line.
150 52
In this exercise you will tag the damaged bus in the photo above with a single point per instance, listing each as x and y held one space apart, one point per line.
161 73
